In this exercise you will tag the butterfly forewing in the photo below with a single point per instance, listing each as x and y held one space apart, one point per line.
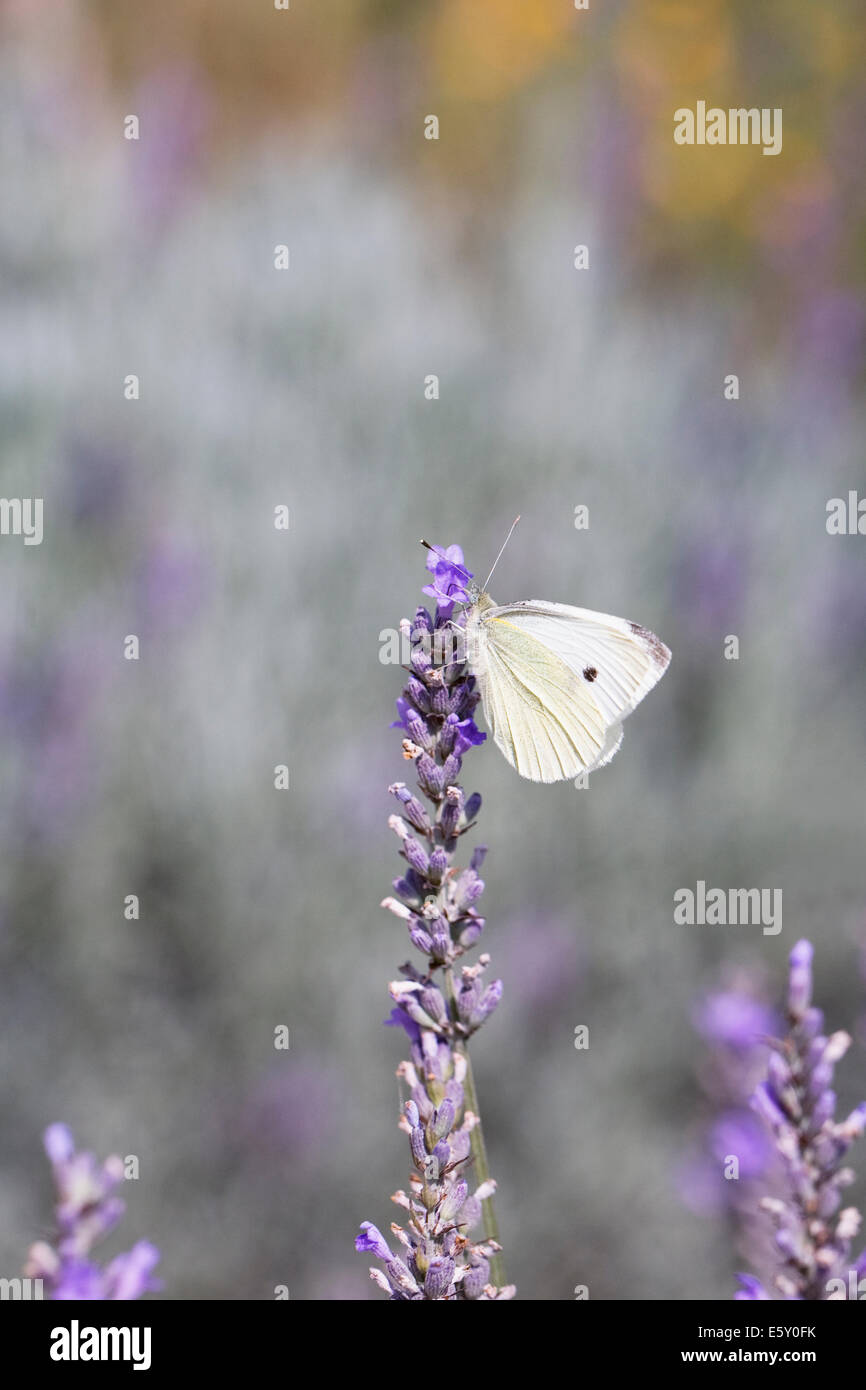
556 682
620 660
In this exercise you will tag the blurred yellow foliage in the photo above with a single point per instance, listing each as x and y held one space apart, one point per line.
378 66
673 45
484 49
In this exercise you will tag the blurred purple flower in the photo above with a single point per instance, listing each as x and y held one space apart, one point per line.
752 1289
736 1023
545 955
832 334
740 1134
734 1019
798 1105
87 1210
292 1112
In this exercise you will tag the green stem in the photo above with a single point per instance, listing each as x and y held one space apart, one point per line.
481 1168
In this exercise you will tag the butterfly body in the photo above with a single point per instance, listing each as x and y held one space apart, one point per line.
556 682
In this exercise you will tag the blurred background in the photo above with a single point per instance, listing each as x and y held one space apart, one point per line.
305 387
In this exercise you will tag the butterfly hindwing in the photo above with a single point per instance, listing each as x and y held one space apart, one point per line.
542 718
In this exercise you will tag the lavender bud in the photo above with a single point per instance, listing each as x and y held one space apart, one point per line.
469 934
412 808
440 946
399 1278
438 865
418 694
451 770
433 1003
419 937
812 1023
419 1148
409 888
441 1123
470 1213
430 776
416 855
439 701
448 735
452 812
416 1011
459 692
489 1000
823 1110
779 1074
476 1278
420 660
461 1145
828 1202
442 1154
467 890
439 1278
764 1102
454 1202
416 728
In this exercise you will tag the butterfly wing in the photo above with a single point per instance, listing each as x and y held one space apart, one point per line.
619 660
557 682
543 719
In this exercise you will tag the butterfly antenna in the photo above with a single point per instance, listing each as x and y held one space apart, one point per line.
499 556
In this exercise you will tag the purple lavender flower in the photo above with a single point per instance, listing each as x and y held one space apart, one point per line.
437 1008
796 1101
87 1209
736 1022
450 579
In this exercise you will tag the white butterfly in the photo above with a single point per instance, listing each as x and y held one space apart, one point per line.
557 682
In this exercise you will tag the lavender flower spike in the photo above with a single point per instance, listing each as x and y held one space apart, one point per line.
87 1209
813 1231
450 1188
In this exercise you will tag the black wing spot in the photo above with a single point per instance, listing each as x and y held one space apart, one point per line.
589 673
